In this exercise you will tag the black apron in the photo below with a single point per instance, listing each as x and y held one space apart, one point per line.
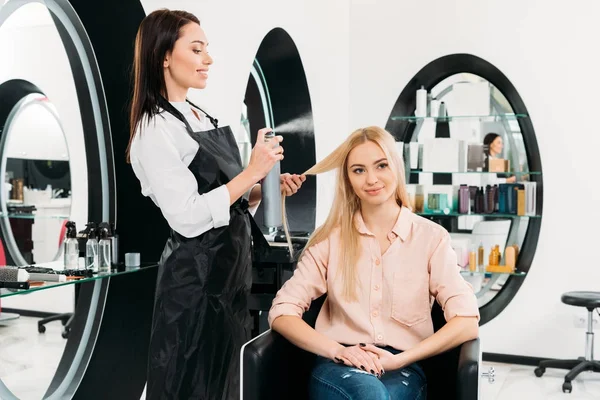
201 317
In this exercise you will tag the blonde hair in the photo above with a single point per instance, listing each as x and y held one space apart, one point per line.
346 203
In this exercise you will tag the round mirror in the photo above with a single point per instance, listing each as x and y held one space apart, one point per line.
473 166
36 189
277 71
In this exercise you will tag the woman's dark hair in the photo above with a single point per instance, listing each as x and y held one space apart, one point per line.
156 36
488 140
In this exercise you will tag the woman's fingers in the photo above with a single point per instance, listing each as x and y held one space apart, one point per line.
363 361
377 362
372 349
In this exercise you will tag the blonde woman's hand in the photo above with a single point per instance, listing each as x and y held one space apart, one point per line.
265 154
387 360
291 183
359 358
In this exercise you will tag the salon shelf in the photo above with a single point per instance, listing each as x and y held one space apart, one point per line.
455 214
32 216
416 171
49 285
477 273
481 118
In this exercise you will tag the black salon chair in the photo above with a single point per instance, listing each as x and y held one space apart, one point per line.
591 301
273 368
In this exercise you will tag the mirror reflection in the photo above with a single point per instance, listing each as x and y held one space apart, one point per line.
466 157
37 179
43 168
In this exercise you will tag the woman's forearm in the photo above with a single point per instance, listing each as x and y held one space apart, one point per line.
255 196
302 335
455 332
240 185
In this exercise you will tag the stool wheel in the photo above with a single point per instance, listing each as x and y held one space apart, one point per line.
41 328
539 371
567 387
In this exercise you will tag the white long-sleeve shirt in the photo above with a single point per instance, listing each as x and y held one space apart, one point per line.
161 153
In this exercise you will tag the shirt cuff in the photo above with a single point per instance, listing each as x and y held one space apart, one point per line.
218 205
284 309
462 305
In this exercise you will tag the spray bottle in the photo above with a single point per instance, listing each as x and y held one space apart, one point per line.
271 195
71 246
91 251
104 252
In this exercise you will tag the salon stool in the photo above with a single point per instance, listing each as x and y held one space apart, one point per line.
591 301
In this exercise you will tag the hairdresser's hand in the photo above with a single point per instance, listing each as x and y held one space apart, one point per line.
291 183
265 154
359 358
387 360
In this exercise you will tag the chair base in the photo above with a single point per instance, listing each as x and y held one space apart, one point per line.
575 366
66 319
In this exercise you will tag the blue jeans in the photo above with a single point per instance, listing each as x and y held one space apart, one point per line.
331 381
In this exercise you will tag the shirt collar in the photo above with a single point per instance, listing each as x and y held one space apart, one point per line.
400 229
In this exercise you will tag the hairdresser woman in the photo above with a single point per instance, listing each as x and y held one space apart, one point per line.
190 167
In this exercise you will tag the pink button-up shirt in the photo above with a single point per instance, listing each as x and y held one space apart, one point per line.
396 289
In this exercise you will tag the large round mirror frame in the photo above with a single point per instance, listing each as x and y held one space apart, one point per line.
101 184
428 77
15 92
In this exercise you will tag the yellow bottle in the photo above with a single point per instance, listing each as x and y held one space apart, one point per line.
472 261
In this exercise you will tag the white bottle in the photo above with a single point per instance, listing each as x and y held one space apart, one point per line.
421 104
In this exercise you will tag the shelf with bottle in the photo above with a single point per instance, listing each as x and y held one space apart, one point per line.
448 213
32 216
509 173
448 118
466 272
74 279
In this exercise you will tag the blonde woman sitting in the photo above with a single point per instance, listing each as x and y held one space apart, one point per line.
381 267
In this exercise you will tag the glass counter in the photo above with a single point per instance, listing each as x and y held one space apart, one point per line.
35 286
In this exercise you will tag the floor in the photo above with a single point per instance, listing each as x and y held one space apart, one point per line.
28 360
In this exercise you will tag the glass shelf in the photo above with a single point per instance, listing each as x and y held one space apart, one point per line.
415 171
32 216
455 214
481 118
37 286
477 273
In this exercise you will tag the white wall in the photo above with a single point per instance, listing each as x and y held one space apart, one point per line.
549 52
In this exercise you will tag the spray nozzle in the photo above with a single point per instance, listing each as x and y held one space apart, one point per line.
71 229
103 232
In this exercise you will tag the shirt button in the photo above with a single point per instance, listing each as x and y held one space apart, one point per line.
379 337
375 313
376 287
377 262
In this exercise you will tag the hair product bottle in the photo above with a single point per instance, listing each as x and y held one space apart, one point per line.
71 247
104 252
91 251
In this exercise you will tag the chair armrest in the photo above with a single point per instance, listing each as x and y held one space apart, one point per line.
467 385
273 368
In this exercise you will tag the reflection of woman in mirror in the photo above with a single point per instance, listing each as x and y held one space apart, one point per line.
493 145
380 265
190 167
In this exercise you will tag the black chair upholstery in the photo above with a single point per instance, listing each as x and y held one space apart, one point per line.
589 300
273 368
